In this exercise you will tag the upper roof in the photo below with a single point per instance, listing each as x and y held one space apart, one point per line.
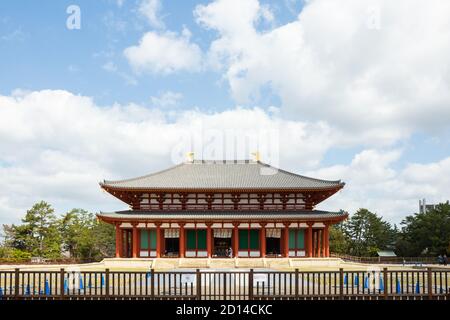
223 174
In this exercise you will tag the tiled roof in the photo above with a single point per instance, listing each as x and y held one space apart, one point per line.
240 174
225 215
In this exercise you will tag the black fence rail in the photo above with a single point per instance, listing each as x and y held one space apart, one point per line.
227 285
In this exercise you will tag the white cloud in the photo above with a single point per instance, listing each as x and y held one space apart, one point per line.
167 99
150 9
378 77
56 145
232 18
372 182
164 53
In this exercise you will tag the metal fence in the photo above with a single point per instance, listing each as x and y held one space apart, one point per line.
227 285
387 260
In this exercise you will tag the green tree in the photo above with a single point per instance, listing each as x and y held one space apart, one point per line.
105 239
338 239
426 233
74 227
367 233
84 237
19 237
38 233
77 232
39 220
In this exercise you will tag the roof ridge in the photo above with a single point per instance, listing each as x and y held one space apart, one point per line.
222 161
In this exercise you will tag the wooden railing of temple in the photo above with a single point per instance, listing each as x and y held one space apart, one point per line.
228 207
223 285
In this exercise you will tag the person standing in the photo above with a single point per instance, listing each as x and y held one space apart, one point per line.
445 259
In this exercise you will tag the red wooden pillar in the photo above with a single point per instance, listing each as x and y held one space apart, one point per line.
126 233
309 250
327 240
262 240
236 240
182 240
315 243
319 243
119 248
158 240
209 240
135 243
323 242
286 240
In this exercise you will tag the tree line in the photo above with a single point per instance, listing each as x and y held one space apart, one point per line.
420 234
78 234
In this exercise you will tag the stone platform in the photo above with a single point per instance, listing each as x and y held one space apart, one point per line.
216 263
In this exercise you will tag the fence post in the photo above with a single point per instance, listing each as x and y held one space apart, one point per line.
224 285
385 283
250 285
16 283
429 284
61 283
107 283
341 283
296 284
199 284
152 283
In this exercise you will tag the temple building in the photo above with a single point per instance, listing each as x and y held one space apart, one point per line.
210 208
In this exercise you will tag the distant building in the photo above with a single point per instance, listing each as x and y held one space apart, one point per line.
424 207
385 255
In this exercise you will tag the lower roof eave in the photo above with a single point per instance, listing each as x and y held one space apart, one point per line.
311 216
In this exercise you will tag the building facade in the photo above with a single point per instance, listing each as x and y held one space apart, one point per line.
210 209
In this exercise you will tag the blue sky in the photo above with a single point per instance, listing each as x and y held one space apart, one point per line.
347 88
42 53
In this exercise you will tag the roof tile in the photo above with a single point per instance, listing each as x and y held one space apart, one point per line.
209 174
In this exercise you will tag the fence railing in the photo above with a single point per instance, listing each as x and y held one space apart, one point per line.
227 285
15 261
390 260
